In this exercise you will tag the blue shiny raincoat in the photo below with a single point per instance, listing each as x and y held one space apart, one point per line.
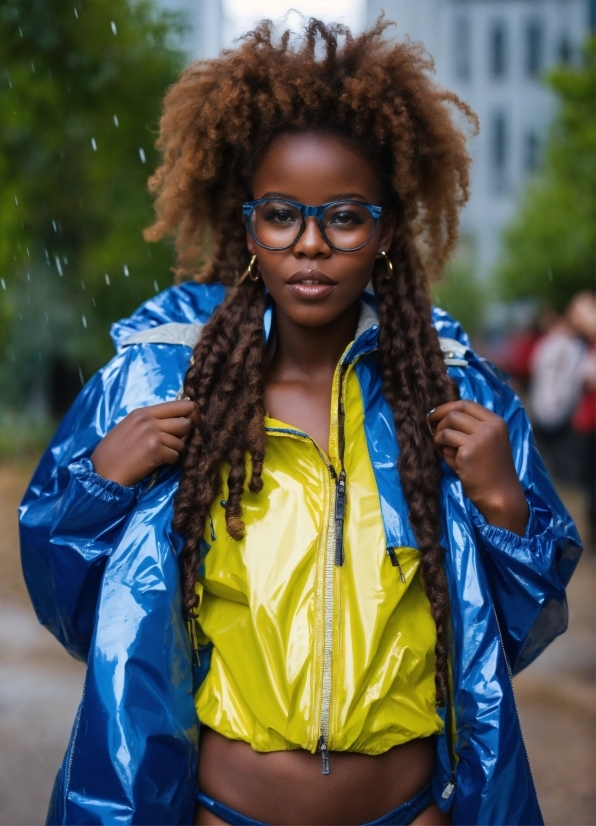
101 562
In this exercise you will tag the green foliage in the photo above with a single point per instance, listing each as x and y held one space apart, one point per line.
550 248
460 293
80 97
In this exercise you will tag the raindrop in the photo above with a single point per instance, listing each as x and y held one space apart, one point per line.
28 277
64 259
81 376
32 65
107 278
142 155
84 320
76 14
114 29
3 282
93 144
28 253
46 315
16 200
116 121
126 272
21 317
20 31
550 275
28 300
156 286
58 265
55 226
94 304
83 285
47 255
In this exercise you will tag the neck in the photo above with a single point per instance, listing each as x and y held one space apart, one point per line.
313 350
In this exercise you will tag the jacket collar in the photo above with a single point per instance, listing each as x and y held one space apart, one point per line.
366 338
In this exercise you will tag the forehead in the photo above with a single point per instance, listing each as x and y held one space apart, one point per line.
315 167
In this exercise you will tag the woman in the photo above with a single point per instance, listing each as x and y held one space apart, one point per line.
367 537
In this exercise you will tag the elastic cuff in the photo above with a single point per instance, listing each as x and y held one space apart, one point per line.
96 485
502 538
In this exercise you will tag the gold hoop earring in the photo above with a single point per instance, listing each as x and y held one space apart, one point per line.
388 265
248 272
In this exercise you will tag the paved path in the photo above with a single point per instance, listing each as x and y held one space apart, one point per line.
40 688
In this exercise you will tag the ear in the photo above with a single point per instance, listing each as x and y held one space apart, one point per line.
250 243
387 226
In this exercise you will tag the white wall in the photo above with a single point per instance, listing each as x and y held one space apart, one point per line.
523 102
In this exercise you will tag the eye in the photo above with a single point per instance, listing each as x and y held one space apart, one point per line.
277 215
346 218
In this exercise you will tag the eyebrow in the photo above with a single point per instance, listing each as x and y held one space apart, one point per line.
344 196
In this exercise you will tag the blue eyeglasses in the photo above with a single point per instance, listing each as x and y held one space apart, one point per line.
277 224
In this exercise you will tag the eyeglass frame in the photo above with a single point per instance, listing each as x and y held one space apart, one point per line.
306 211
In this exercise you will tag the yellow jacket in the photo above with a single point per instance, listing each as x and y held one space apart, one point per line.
320 641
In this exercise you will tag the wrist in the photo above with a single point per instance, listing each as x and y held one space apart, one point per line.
505 509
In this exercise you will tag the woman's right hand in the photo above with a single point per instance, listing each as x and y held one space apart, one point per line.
147 438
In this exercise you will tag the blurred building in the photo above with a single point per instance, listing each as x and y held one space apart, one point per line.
494 54
204 36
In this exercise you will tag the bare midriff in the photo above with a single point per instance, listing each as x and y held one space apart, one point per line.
287 787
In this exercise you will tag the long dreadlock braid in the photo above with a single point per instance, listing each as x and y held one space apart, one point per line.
415 381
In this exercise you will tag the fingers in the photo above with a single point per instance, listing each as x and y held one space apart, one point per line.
171 448
177 427
451 438
169 410
455 420
473 409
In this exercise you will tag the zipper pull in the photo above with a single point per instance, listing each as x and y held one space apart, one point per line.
448 790
192 633
395 563
340 512
324 749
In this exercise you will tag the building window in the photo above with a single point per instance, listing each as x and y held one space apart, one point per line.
534 48
531 152
499 151
565 50
462 48
497 50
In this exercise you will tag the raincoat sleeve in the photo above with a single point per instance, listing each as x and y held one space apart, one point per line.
527 574
70 517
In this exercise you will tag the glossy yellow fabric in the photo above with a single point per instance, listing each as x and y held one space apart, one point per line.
263 607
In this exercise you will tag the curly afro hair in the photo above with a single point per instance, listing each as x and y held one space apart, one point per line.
222 114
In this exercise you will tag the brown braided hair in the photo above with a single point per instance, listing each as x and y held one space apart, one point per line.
218 120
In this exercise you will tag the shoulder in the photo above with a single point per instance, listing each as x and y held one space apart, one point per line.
477 378
184 304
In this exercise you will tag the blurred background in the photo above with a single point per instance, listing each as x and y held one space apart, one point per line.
80 90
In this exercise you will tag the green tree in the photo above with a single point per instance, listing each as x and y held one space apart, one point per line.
80 97
550 247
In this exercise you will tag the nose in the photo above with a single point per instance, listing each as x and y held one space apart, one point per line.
311 243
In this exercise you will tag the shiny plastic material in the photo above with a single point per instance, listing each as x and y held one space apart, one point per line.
101 564
265 607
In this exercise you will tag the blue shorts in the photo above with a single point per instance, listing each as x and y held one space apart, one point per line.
401 816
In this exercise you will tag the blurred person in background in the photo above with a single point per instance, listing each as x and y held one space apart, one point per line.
555 390
582 318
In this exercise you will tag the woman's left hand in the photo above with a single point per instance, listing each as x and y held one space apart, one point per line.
475 444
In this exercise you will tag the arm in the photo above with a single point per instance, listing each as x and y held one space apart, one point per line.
71 515
69 519
529 557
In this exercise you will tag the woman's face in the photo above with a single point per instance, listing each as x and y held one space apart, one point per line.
315 168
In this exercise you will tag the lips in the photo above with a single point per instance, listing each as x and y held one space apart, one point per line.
311 284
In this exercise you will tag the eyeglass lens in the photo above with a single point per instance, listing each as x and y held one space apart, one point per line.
277 225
